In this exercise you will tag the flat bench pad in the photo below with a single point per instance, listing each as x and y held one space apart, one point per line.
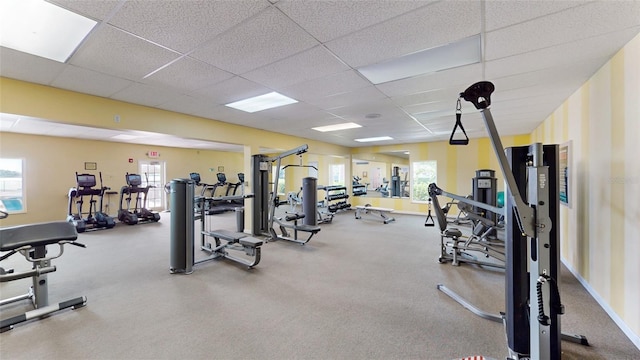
371 208
227 235
15 237
251 241
307 228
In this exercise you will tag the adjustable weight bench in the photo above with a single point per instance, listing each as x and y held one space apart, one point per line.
368 209
311 229
31 241
233 241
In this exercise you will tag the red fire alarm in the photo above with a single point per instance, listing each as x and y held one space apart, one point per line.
131 160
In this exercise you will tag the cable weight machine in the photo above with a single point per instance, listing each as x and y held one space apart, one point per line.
533 307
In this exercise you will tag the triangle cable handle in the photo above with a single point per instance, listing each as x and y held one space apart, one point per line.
453 141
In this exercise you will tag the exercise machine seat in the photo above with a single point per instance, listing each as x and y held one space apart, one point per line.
36 235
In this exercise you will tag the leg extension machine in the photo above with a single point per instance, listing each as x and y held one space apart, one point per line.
31 241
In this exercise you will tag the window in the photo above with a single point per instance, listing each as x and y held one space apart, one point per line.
424 173
336 174
12 196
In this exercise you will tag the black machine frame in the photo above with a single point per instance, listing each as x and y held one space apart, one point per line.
533 306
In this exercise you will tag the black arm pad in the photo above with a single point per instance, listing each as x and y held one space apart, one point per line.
294 217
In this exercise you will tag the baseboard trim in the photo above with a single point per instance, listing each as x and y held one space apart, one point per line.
635 338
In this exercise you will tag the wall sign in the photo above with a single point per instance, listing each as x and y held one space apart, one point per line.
565 173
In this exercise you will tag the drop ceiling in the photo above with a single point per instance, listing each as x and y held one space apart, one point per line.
194 56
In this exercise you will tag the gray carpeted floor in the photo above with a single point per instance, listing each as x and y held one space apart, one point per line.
358 290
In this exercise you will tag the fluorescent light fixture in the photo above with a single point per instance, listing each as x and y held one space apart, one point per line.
460 53
337 127
40 28
124 137
262 102
379 138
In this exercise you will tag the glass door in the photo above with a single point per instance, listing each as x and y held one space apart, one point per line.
153 175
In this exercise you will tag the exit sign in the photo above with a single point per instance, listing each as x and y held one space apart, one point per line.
153 154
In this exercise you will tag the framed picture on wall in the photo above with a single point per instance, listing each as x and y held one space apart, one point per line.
565 173
90 166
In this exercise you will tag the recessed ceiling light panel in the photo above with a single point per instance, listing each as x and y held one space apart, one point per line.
40 28
379 138
336 127
262 102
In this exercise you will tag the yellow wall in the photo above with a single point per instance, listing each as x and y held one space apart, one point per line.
51 163
600 236
457 165
57 105
18 97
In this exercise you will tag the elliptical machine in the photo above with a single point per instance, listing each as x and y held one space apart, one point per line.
95 219
138 213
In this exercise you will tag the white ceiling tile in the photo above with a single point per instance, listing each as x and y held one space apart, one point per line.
428 100
282 44
268 37
187 104
231 115
499 14
297 111
187 75
548 77
428 27
183 25
599 48
145 95
358 96
311 64
98 10
343 17
231 90
329 85
18 65
563 27
112 51
89 82
442 79
357 113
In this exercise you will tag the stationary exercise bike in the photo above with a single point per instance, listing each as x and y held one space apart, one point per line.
139 212
95 219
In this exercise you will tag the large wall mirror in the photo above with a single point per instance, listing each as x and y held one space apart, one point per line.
382 174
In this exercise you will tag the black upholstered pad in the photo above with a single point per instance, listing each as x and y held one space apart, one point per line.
307 228
251 241
15 237
227 235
